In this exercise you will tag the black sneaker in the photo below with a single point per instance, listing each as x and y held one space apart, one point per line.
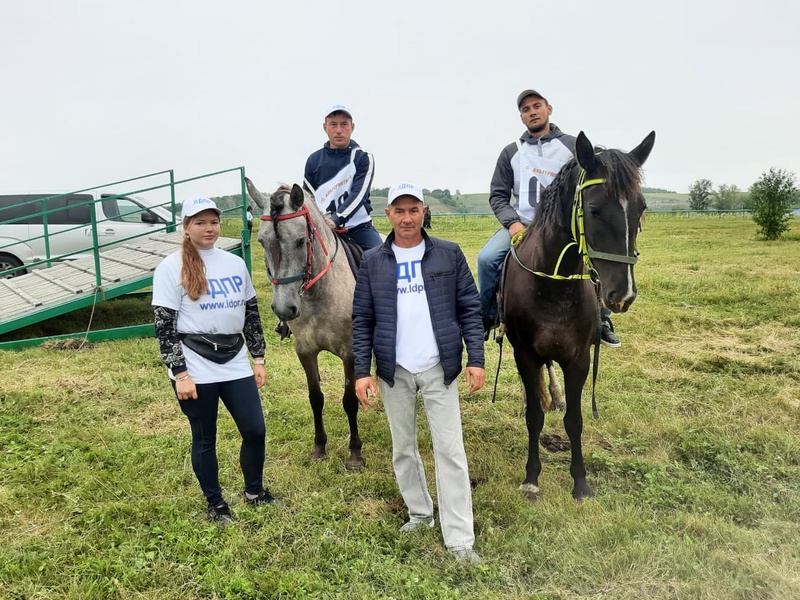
264 497
221 513
608 337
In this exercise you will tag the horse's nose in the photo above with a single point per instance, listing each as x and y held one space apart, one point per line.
285 312
619 302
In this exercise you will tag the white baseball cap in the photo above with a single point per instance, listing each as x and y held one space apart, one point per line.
338 107
405 188
195 204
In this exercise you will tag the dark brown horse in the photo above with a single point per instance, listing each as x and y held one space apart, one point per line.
579 250
312 289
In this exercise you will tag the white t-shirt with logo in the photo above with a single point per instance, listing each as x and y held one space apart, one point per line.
219 310
416 343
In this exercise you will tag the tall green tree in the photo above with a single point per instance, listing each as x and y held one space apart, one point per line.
700 194
727 197
771 199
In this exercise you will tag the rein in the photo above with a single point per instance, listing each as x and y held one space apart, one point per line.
311 233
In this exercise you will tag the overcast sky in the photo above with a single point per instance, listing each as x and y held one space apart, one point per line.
93 91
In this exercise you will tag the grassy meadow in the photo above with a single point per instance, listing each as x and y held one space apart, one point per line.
695 459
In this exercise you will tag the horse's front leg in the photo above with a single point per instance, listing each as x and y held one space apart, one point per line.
355 461
530 372
317 400
574 377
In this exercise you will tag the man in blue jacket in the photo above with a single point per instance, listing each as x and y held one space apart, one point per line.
339 175
415 300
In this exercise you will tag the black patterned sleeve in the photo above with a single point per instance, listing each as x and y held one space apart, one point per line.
253 334
169 344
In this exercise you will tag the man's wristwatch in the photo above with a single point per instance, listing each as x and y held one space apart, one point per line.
258 361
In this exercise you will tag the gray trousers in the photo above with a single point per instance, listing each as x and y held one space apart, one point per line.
450 461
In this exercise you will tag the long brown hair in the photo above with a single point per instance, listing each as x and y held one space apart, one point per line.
193 272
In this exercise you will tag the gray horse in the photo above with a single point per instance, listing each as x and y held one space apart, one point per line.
312 287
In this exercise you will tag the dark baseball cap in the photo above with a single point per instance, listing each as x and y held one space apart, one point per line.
526 93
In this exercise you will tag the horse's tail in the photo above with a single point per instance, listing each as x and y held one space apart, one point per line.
556 395
544 397
551 396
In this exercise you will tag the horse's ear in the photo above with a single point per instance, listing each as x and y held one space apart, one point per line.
584 152
257 196
642 151
297 197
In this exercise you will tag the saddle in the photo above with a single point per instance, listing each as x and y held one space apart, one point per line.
352 250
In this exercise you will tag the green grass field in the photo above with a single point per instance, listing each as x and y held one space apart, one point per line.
695 460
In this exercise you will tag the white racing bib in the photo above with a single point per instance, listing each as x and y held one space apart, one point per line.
535 173
330 195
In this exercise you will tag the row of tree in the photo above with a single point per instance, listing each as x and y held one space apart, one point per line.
437 193
770 200
702 196
444 196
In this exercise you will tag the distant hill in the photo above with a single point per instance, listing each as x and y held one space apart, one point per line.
649 190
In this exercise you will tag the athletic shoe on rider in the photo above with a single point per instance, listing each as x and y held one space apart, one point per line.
412 525
264 497
467 555
608 337
221 513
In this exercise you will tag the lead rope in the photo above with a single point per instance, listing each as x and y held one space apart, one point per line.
499 339
596 357
595 363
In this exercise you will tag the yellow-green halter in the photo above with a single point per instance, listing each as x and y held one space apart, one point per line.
578 236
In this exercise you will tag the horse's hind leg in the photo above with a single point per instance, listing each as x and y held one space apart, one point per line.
317 400
530 371
574 377
355 461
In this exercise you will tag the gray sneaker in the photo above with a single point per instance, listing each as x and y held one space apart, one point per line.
412 525
467 555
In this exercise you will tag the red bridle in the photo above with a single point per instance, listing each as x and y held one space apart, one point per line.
311 233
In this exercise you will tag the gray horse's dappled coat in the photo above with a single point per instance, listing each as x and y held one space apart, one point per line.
452 298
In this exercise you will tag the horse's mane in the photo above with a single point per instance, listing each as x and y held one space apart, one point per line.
621 171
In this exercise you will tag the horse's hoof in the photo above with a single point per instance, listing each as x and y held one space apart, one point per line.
582 492
530 491
354 463
318 453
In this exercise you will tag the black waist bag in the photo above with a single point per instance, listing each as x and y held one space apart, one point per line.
216 347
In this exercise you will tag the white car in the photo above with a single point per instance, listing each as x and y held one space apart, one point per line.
68 233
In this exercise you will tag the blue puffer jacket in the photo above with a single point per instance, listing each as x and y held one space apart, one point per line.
452 299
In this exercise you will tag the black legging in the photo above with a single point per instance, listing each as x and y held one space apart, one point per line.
240 397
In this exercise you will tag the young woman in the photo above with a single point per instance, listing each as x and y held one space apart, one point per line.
204 302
